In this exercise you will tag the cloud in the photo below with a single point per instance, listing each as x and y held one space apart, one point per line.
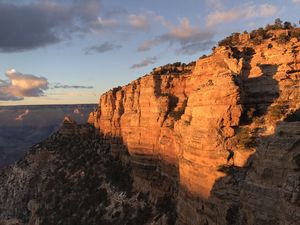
64 86
215 3
105 47
106 22
185 35
20 85
146 62
246 11
22 115
148 44
295 1
195 47
31 25
138 21
267 10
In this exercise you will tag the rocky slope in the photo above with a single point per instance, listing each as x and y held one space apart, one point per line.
169 132
71 179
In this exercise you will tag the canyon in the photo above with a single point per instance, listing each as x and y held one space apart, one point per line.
23 126
170 132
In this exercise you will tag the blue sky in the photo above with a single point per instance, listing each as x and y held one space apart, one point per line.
71 51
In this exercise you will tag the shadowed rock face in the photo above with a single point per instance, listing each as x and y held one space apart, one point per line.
181 125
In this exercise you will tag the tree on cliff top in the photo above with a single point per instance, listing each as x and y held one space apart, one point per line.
260 34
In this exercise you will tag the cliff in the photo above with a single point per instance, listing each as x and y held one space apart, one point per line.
157 150
177 128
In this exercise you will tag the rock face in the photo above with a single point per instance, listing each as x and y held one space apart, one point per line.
177 128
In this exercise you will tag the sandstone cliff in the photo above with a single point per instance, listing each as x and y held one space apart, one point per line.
177 127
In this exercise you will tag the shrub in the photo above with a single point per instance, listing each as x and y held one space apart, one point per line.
257 36
294 117
287 25
176 115
231 40
203 56
119 176
295 33
167 205
232 215
283 38
142 216
245 138
277 111
297 160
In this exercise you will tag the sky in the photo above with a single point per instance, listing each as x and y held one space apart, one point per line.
72 51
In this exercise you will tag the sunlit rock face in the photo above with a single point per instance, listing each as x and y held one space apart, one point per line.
178 127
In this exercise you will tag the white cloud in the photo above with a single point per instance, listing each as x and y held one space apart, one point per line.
242 12
148 44
296 1
267 10
138 21
185 35
184 30
21 85
106 22
146 62
215 3
104 47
